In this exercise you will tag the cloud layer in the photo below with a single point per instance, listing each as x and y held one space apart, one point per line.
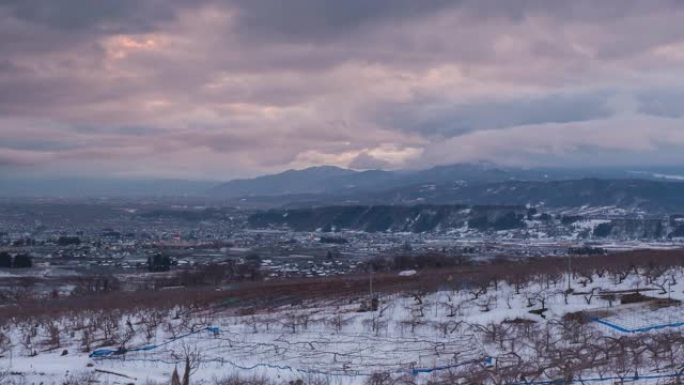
213 89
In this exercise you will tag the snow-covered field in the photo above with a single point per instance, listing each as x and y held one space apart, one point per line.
414 335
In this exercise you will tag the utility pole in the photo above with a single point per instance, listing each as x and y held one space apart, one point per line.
371 281
372 308
569 270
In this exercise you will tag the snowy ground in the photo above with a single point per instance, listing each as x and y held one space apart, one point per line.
331 341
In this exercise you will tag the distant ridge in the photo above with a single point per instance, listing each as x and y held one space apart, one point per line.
480 183
331 179
307 181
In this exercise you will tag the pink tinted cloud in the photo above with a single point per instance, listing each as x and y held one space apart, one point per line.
224 89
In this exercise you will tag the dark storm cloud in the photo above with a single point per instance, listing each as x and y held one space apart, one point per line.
8 161
37 145
446 120
662 102
313 20
121 16
116 130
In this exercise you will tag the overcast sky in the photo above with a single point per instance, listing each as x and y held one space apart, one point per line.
219 89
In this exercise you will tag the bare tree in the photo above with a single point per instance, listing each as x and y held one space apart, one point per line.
338 321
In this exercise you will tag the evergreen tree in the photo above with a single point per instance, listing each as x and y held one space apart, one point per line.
23 261
5 259
159 262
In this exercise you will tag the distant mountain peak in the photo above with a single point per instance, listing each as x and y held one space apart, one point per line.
309 180
332 180
478 182
324 169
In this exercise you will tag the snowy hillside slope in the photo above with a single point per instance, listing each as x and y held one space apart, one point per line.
499 330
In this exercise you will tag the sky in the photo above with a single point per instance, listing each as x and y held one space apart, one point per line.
208 89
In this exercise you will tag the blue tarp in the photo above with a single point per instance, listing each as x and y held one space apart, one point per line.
100 353
637 330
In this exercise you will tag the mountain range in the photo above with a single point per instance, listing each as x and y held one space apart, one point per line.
649 190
